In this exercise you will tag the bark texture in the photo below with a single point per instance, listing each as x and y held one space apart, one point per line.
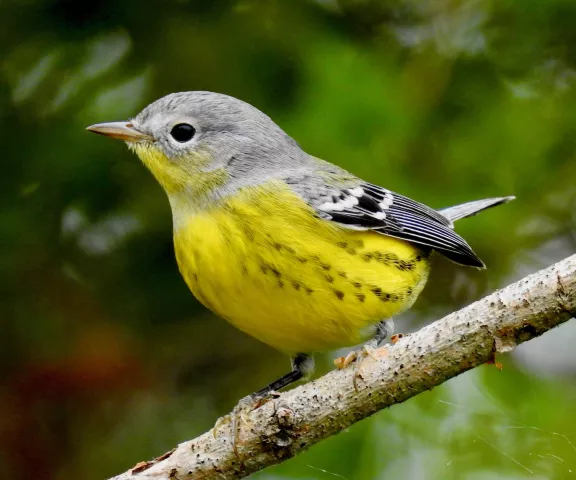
301 417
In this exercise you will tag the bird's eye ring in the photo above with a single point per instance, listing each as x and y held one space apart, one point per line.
183 132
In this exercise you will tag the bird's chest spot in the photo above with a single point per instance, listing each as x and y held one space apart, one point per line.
233 251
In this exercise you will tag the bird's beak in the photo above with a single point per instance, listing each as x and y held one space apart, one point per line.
120 130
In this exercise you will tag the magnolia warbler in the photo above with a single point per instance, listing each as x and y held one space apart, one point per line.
291 249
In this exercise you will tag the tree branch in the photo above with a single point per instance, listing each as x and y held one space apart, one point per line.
301 417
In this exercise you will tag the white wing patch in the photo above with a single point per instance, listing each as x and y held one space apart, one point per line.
346 200
386 201
350 198
370 207
357 192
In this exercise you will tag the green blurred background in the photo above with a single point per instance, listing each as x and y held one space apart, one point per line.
106 359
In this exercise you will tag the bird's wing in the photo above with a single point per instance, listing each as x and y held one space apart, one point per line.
370 207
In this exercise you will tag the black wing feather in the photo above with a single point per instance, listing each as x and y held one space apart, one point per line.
392 214
404 203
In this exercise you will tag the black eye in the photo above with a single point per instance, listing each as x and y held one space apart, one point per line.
182 132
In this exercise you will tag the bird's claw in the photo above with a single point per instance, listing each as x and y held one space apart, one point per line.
358 358
343 362
239 416
365 352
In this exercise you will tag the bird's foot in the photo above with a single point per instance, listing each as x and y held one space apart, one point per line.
358 358
239 416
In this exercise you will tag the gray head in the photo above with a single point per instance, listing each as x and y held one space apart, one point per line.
184 136
219 122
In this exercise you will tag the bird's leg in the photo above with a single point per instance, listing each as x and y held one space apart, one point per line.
302 368
383 331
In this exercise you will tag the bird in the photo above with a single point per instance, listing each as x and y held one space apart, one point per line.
291 249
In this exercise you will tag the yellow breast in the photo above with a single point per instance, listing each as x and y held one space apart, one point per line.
268 265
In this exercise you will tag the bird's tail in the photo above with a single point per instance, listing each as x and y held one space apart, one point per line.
472 208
